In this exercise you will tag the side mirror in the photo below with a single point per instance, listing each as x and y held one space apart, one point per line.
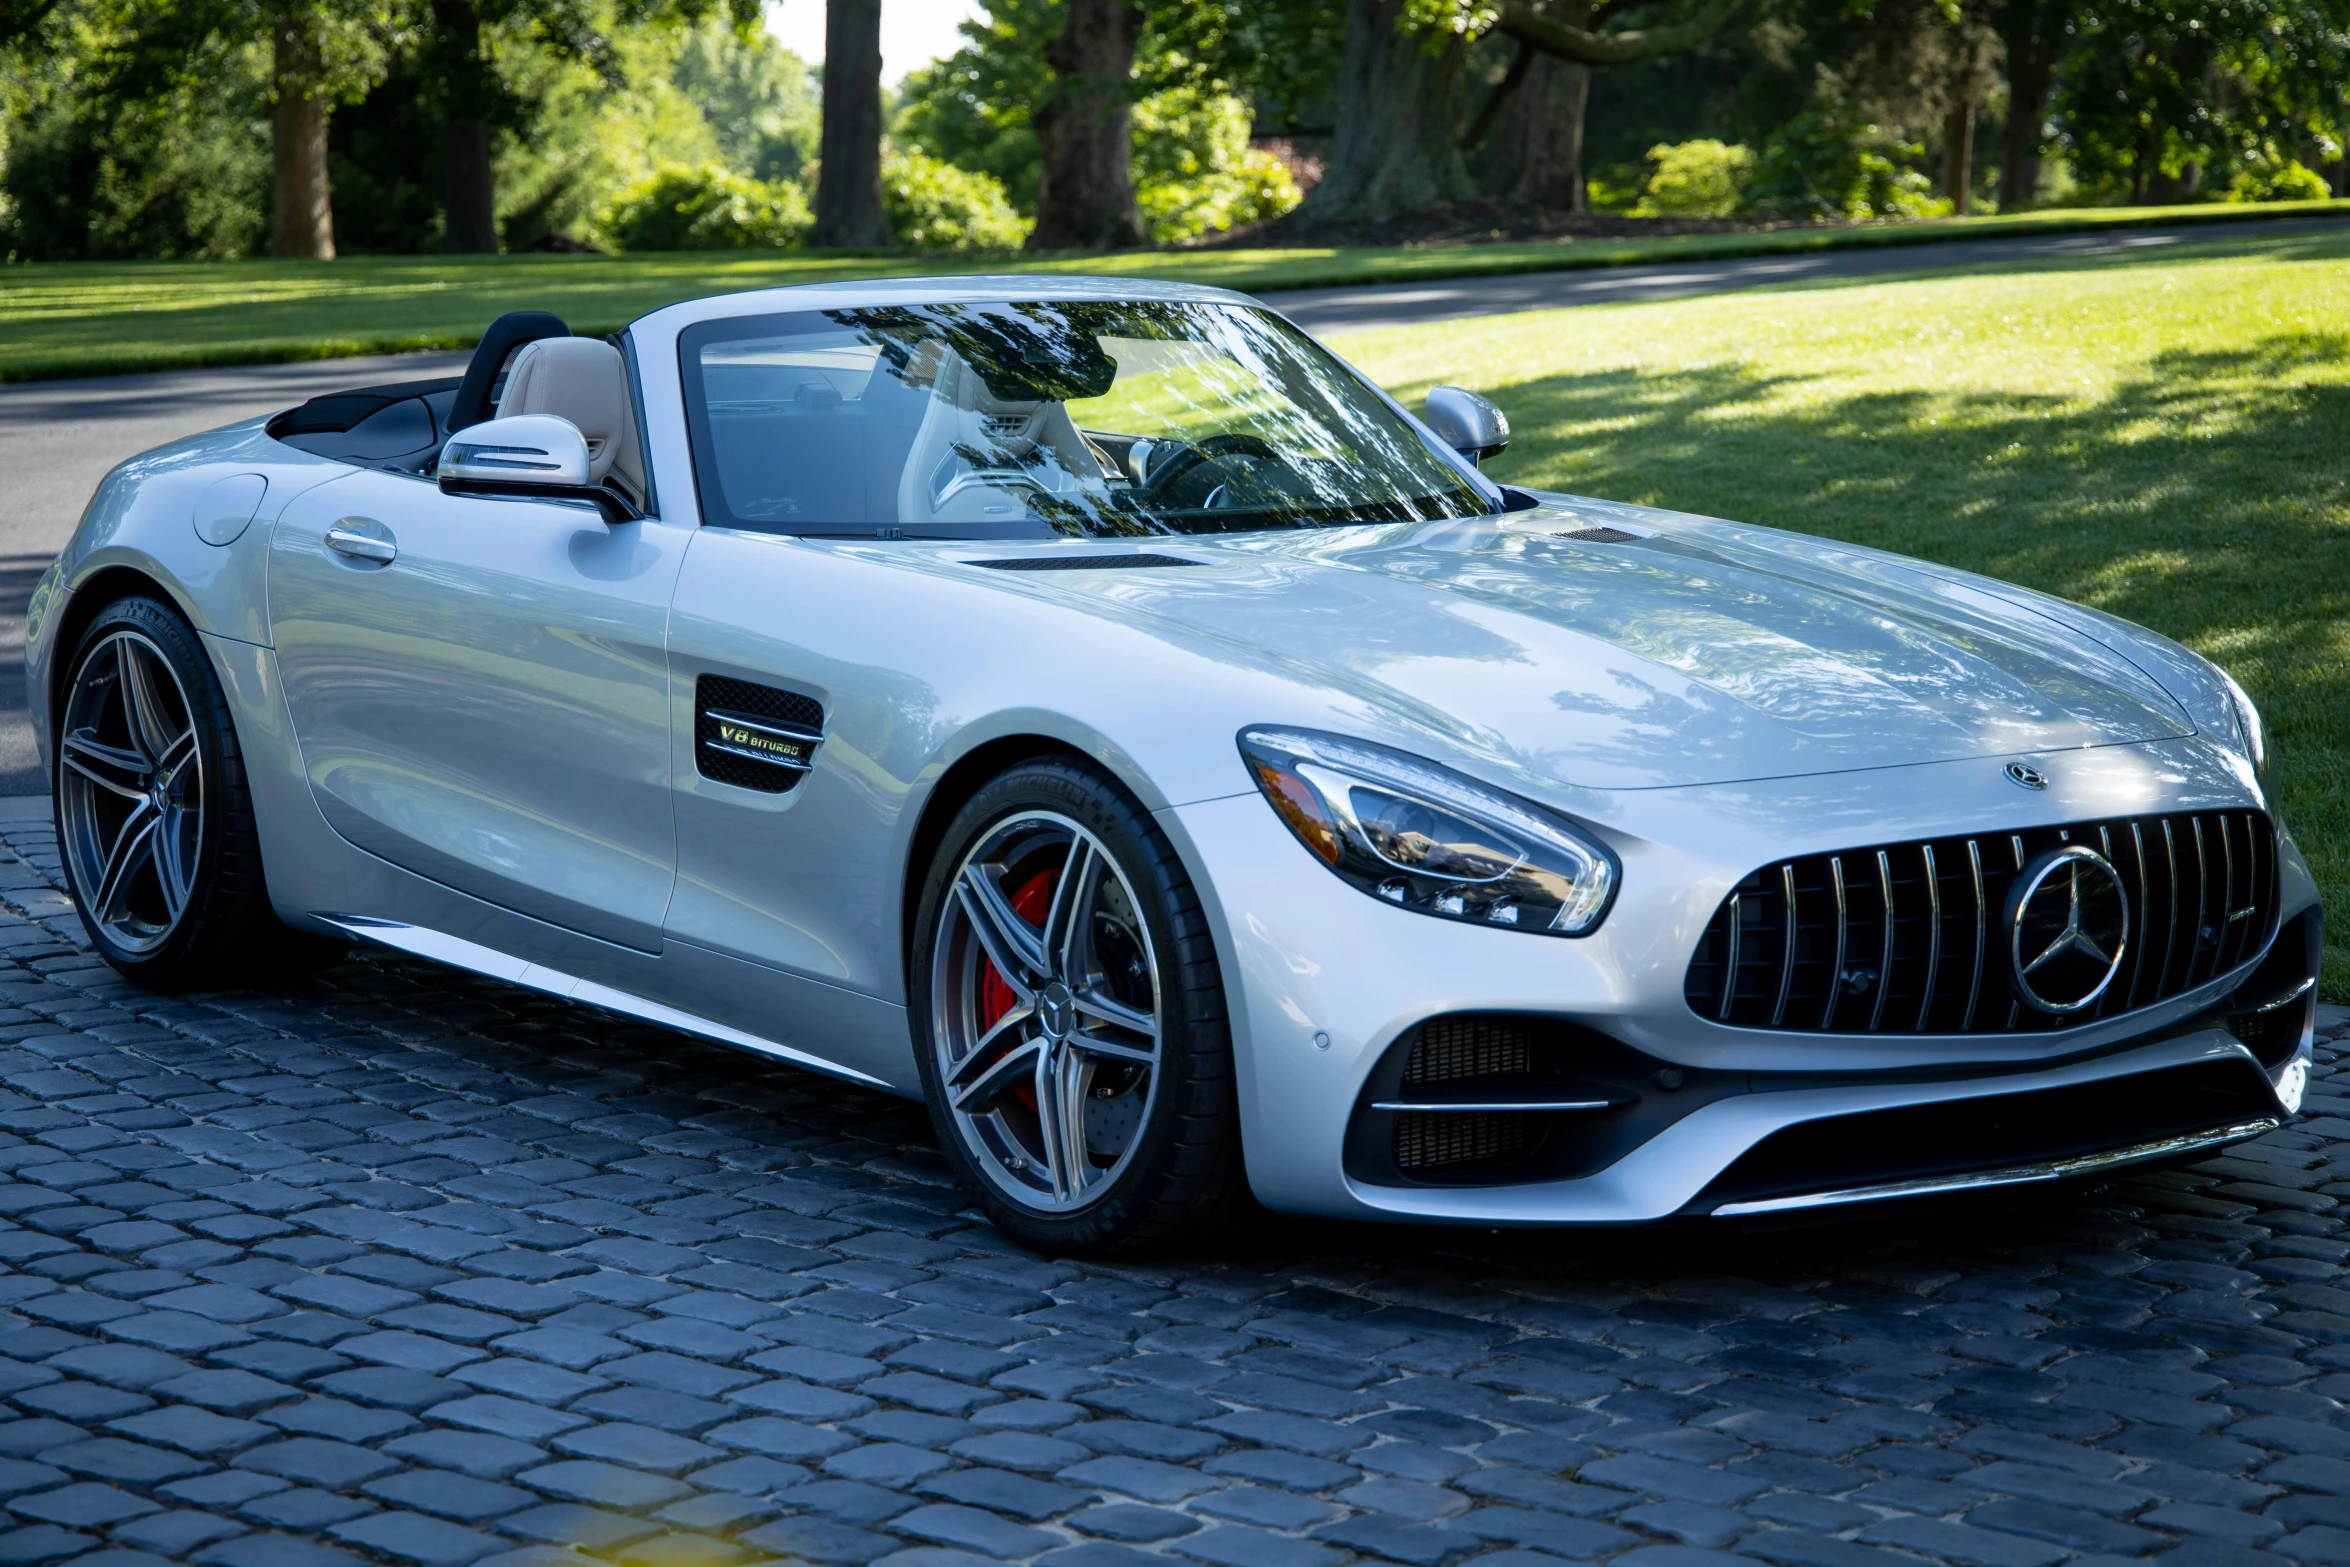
527 456
1467 423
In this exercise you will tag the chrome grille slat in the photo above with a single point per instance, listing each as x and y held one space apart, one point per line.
1730 987
1843 930
1933 937
1885 963
1974 994
1777 951
1787 948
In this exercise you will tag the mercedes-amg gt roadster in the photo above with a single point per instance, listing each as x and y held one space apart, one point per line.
1091 707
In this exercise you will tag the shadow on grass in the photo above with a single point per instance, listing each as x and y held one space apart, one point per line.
2207 496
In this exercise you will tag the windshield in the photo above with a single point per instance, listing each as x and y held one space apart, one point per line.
1049 418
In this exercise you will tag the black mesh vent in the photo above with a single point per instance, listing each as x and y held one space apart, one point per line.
800 720
1909 938
1451 1049
1451 1140
1599 535
1084 562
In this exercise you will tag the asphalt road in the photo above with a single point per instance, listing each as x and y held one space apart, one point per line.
408 1268
57 439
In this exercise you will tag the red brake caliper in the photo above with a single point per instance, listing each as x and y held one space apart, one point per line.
1031 902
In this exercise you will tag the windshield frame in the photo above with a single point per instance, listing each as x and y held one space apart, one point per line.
813 318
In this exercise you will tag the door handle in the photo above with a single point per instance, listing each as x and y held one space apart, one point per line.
362 538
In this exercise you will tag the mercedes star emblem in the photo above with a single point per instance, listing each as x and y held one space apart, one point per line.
2029 777
2068 920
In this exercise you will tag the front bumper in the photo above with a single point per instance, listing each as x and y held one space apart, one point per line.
1327 984
1719 1161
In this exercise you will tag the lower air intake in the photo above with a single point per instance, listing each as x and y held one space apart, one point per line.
1455 1141
1451 1049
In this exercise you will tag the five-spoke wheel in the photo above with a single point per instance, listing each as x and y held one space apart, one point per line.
131 798
161 850
1045 1001
1074 1050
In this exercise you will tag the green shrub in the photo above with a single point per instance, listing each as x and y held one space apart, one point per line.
932 205
1194 170
1829 163
1696 179
709 208
2290 181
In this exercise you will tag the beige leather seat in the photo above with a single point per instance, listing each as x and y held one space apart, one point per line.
583 380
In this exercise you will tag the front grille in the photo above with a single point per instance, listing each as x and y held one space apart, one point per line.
1908 937
787 721
1425 1142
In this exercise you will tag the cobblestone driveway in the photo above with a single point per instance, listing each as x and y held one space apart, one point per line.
412 1267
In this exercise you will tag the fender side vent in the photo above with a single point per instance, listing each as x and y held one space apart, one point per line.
752 736
1084 562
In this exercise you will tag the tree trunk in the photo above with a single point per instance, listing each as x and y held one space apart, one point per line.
469 191
1084 142
848 180
1396 148
1958 156
2033 30
301 212
1538 137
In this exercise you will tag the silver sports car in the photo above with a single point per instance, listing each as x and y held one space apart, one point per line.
1093 708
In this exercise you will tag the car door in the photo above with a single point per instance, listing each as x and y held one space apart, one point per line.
480 691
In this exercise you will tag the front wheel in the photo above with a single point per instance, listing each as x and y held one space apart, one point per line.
154 821
1070 1019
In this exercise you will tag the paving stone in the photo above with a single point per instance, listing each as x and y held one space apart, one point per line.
315 1461
87 1505
411 1537
602 1484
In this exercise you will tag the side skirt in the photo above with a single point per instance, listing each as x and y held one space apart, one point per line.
457 952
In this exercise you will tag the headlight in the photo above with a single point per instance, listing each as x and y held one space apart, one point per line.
2248 721
1427 839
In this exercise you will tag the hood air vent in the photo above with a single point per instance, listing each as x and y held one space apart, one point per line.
1084 562
754 737
1598 535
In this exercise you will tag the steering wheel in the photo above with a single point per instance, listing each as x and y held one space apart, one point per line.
1192 454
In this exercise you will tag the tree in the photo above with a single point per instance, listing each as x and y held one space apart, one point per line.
321 52
848 185
2032 33
1536 117
1085 145
470 101
1397 147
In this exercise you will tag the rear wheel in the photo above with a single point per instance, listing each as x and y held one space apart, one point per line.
1074 1047
154 822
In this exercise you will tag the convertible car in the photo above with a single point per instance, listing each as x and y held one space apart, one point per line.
1091 707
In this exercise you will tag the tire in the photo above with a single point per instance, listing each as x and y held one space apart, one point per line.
154 821
1025 1001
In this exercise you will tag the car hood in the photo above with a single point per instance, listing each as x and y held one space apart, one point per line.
1689 652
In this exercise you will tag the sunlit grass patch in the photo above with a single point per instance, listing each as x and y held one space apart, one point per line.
2167 440
109 317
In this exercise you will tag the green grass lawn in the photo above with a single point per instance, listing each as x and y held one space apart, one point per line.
100 318
2167 440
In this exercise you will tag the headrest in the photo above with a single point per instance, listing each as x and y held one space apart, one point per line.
580 379
497 345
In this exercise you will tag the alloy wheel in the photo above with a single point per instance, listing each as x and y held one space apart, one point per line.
1045 990
131 789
